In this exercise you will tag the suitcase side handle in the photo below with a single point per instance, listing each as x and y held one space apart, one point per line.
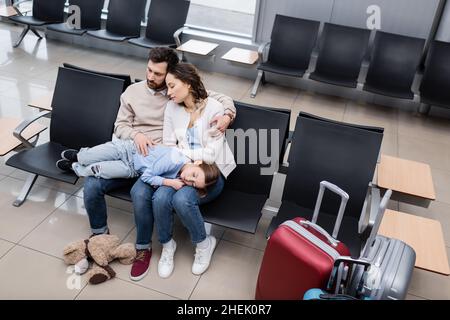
338 263
322 231
344 198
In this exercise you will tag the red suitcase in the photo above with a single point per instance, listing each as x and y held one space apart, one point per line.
300 255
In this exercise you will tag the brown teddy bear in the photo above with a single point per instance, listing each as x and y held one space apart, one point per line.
102 249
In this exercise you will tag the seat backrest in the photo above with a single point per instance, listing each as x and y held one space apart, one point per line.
343 154
259 134
85 107
125 77
292 41
124 17
91 13
342 50
51 11
164 18
394 60
435 86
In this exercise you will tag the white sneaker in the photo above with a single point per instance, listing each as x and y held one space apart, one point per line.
165 264
203 257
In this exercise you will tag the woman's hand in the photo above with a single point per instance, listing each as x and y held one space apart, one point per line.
221 123
142 143
177 184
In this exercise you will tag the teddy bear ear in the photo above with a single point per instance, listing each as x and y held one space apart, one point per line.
70 248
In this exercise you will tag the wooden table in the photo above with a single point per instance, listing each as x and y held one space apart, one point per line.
8 11
198 47
43 103
7 141
241 55
410 181
422 234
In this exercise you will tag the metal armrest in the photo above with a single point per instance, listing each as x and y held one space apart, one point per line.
370 209
289 138
283 169
177 34
261 49
370 220
24 124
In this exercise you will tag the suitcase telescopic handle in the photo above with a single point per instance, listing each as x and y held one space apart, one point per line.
344 198
322 231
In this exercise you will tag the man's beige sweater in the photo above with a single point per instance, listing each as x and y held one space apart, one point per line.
143 111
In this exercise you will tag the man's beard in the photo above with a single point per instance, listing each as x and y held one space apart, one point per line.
152 85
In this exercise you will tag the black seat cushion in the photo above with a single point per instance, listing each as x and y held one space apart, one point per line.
32 21
288 71
348 232
236 210
62 27
435 85
123 193
390 91
41 160
344 81
148 43
393 65
107 35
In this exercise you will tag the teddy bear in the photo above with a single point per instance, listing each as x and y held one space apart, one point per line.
102 249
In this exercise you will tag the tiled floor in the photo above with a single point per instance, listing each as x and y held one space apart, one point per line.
32 236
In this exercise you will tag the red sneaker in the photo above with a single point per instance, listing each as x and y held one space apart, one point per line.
141 264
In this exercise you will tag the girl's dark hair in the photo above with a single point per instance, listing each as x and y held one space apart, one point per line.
164 54
212 173
187 73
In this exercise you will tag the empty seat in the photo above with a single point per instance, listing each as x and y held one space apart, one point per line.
258 132
393 65
91 13
165 17
44 12
85 107
125 77
341 53
291 45
124 20
340 153
435 86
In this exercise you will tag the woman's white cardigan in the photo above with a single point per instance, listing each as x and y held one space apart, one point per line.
214 149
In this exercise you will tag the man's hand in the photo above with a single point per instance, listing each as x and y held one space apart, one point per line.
177 184
221 123
142 143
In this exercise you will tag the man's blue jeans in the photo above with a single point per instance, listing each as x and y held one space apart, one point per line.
141 195
185 202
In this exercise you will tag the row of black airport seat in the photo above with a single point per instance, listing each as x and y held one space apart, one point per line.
394 59
165 20
85 106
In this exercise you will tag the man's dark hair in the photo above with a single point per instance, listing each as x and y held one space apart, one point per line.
164 54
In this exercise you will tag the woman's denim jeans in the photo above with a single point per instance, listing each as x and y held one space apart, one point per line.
185 202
